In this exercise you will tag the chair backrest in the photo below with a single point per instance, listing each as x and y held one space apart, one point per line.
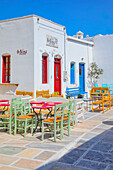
104 85
62 110
18 108
40 93
16 99
110 86
96 85
26 107
73 106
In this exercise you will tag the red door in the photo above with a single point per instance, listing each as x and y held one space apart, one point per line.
57 75
6 69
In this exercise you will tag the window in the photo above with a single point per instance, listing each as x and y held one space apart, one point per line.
6 69
72 73
44 69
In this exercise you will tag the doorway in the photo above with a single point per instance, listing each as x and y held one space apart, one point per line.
57 75
82 76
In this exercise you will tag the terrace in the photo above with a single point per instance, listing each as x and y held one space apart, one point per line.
89 146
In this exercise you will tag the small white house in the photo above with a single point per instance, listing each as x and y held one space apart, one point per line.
38 55
103 56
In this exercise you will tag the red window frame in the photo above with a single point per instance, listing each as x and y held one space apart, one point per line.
44 69
6 69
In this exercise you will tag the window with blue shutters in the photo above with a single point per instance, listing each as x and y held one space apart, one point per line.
72 73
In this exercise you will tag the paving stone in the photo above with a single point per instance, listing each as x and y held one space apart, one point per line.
7 160
108 138
103 146
61 166
2 140
92 165
45 155
110 167
99 156
8 168
98 130
29 153
28 164
16 143
85 144
72 156
47 146
90 136
10 150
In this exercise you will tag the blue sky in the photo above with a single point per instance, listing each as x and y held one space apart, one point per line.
90 16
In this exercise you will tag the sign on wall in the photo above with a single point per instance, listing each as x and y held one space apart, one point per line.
51 41
22 52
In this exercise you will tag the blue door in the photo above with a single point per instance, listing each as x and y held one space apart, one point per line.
82 76
72 73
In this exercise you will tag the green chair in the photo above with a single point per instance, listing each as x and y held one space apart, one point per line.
7 119
22 120
60 120
72 115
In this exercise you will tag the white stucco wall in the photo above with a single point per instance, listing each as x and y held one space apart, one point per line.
78 52
41 29
103 56
15 35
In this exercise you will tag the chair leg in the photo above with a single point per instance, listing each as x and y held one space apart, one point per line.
55 132
32 126
25 128
42 130
10 126
15 128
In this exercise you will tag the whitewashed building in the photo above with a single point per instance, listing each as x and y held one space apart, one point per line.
37 54
103 56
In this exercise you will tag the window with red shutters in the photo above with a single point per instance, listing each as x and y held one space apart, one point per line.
6 69
44 69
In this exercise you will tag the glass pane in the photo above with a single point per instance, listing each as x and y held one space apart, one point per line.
57 71
80 70
5 78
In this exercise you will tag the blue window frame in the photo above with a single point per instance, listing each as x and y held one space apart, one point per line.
72 73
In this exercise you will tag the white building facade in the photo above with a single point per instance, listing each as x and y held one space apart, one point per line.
103 56
38 55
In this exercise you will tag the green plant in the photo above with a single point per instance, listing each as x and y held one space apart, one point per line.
94 74
56 92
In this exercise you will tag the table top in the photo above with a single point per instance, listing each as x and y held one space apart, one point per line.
42 107
37 102
4 104
2 100
52 103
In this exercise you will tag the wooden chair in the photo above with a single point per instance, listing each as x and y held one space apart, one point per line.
22 120
73 120
60 120
42 92
24 93
102 101
7 119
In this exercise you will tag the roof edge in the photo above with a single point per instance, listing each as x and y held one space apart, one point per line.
33 15
80 40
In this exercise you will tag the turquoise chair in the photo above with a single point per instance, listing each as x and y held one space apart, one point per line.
104 85
111 89
96 85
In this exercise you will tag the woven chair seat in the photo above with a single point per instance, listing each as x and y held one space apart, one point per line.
24 117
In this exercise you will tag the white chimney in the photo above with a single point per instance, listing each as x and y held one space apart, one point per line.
79 35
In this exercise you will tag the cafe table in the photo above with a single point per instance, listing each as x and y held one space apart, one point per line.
4 105
39 115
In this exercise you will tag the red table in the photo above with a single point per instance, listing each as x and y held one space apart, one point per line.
2 100
52 103
36 102
4 105
40 107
